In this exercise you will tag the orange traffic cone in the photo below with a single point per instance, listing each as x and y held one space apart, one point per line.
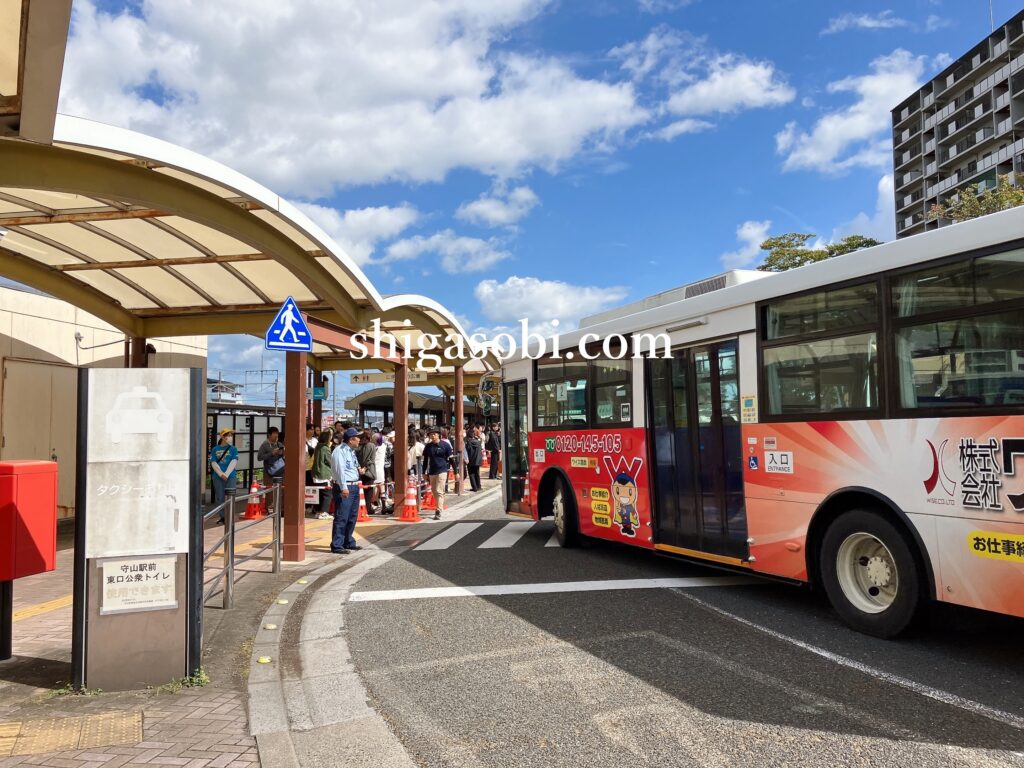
362 517
409 512
526 490
429 502
253 510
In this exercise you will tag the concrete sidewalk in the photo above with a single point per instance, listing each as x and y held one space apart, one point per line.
41 723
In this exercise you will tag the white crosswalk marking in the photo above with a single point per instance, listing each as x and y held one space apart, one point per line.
507 536
553 541
449 536
614 585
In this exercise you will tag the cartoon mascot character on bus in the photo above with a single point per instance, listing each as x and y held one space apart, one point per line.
624 493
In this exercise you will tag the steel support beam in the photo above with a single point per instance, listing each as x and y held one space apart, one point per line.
400 462
460 420
294 549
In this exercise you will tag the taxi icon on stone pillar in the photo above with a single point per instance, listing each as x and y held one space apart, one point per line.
139 412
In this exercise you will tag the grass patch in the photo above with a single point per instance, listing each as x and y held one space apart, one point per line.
68 689
196 680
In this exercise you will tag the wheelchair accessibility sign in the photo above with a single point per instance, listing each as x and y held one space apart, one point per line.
289 332
752 462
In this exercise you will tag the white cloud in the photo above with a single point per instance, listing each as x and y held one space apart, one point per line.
543 300
857 135
934 23
732 83
750 235
457 253
236 354
665 53
679 127
662 6
309 95
882 20
360 230
881 224
941 60
503 207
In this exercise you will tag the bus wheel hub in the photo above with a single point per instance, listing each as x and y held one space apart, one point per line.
879 572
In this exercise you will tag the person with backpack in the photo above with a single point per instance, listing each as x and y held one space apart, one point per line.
367 456
271 453
322 471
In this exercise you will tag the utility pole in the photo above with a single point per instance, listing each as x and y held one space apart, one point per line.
991 17
334 393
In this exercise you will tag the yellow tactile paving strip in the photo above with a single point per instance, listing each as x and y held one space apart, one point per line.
36 737
40 608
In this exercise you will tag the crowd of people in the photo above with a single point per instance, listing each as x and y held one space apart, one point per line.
345 462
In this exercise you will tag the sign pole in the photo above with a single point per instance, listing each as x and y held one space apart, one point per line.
80 587
196 545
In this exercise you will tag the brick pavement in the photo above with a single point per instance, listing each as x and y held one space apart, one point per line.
205 726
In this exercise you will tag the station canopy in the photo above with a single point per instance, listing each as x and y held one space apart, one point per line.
383 398
160 241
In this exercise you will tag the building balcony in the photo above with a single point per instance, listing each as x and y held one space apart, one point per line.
907 178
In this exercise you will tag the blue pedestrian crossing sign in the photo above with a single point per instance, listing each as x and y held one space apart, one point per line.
289 332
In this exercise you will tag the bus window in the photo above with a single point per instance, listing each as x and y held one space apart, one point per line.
834 310
822 376
612 385
972 361
999 277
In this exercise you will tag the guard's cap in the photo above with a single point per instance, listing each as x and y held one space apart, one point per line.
350 433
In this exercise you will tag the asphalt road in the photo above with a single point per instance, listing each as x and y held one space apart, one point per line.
755 674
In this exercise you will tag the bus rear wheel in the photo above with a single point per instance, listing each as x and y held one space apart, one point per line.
563 510
870 574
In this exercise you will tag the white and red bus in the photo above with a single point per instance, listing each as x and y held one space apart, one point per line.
856 423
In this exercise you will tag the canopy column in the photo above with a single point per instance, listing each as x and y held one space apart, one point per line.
294 491
400 461
139 358
460 420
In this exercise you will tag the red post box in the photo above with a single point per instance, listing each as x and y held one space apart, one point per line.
28 518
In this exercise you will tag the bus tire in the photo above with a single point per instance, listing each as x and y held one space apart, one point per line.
870 574
563 510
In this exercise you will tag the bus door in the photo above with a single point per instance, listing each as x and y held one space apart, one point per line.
697 450
514 465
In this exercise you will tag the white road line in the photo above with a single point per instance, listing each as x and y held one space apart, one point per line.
548 588
509 534
1006 718
448 536
553 541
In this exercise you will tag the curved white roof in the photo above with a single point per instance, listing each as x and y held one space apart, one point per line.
160 241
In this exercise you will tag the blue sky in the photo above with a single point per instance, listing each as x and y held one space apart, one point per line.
532 158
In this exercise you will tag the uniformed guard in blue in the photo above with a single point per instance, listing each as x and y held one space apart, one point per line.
345 470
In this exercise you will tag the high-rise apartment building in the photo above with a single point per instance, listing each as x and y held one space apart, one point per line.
964 128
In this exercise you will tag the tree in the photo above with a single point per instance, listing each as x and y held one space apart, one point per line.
968 204
789 251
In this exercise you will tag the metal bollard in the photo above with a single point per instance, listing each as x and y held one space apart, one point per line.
278 512
229 553
6 619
